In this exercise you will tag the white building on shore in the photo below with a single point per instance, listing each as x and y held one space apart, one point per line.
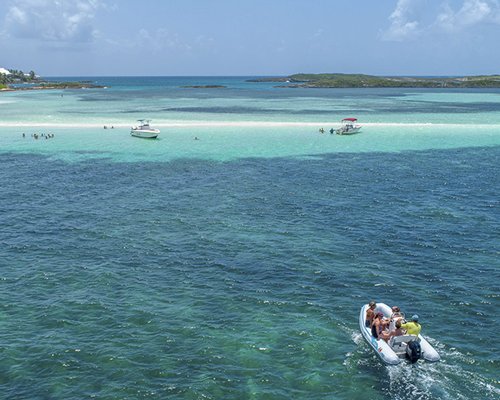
4 71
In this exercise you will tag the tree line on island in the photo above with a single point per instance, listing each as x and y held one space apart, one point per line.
13 79
372 81
17 76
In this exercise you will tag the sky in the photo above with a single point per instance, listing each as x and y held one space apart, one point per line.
250 38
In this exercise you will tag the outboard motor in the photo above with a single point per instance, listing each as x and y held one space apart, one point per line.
413 351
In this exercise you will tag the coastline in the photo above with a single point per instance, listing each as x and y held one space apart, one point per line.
351 81
53 86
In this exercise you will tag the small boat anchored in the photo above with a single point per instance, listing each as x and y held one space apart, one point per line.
144 130
348 127
397 348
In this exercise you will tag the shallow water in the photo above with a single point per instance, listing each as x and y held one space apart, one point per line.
235 266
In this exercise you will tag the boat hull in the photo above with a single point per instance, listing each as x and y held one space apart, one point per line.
383 350
145 134
350 131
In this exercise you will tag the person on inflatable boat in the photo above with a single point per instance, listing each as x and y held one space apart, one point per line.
395 316
379 324
370 313
396 312
387 334
412 327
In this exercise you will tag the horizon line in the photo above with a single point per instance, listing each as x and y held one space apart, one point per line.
265 76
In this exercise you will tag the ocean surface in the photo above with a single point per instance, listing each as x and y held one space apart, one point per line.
234 266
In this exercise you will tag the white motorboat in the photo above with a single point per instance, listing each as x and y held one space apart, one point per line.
398 347
144 130
348 127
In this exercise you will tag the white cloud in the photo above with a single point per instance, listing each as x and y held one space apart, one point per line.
404 23
402 27
56 21
472 13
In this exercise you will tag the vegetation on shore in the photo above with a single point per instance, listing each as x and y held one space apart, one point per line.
17 76
371 81
18 80
66 85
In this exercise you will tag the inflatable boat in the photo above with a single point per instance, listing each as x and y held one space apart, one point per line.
398 348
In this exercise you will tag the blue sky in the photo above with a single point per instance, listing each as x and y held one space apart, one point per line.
252 37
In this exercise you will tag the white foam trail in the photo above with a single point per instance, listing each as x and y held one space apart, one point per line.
427 380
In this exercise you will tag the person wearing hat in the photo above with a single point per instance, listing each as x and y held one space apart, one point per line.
412 327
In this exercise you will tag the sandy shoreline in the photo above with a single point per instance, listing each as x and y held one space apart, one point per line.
239 124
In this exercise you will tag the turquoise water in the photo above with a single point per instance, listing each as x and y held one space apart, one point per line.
234 266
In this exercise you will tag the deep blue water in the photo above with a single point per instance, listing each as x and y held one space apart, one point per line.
243 280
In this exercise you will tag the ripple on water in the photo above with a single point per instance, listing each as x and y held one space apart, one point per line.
245 278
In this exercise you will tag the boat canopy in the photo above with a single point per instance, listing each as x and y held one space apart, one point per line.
350 119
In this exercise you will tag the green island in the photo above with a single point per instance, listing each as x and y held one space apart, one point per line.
18 80
371 81
204 87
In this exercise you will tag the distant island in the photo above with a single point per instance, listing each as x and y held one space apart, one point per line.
43 85
12 80
371 81
204 87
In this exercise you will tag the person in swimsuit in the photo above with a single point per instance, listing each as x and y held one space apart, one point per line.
378 325
387 334
396 312
370 313
395 316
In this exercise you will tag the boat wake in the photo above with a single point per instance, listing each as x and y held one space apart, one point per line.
447 379
437 381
